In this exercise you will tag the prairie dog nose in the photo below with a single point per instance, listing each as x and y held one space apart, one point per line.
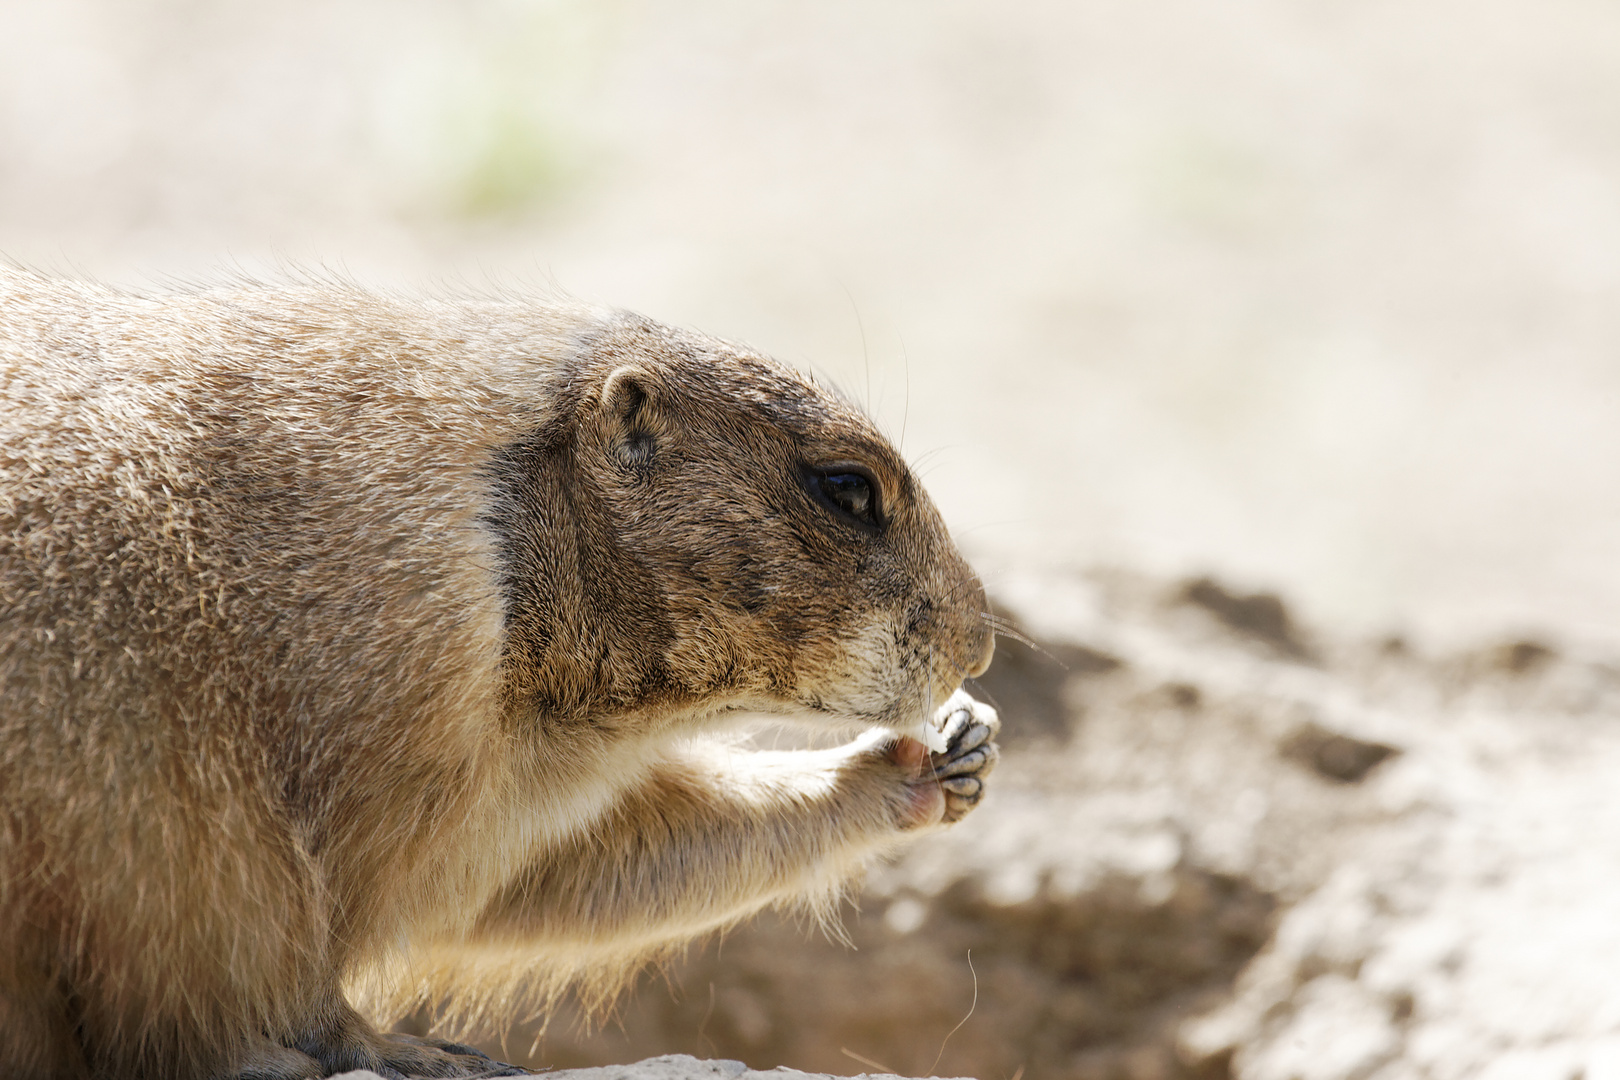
987 649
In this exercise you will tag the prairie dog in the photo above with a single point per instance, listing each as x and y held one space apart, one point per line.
355 646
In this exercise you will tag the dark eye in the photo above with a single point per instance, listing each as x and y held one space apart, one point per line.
850 494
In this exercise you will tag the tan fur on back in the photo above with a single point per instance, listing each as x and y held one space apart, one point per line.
350 641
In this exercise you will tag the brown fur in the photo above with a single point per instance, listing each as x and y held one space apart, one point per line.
350 642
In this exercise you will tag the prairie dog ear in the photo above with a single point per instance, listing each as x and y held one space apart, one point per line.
628 410
625 394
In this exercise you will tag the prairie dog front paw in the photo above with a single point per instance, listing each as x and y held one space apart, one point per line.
969 728
942 786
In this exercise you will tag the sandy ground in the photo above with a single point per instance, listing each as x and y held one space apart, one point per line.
1311 297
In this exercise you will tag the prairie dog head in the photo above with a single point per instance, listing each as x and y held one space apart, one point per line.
696 528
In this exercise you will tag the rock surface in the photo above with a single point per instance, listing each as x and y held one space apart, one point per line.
667 1067
1221 844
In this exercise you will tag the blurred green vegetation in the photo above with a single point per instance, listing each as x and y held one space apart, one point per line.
521 163
497 124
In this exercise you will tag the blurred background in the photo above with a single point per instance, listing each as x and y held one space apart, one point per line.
1314 297
1315 294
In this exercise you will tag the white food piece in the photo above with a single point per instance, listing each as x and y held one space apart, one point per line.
926 732
930 730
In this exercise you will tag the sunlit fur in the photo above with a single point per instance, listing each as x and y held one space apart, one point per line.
357 646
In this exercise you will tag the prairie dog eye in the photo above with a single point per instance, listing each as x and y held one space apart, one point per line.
848 493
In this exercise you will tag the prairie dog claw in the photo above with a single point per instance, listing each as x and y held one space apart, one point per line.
968 728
